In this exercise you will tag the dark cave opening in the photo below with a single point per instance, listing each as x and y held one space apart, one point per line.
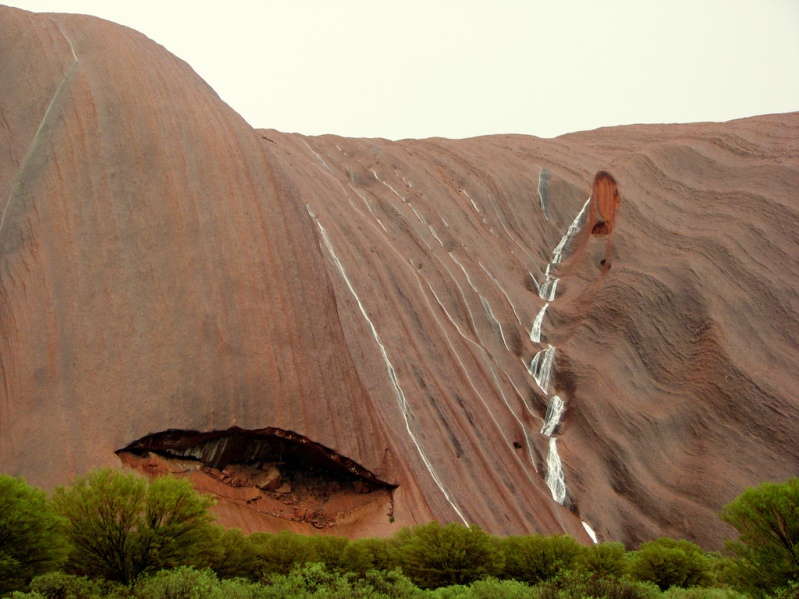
294 455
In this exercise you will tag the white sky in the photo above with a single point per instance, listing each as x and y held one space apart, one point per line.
459 68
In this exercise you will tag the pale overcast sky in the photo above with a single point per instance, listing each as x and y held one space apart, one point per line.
460 68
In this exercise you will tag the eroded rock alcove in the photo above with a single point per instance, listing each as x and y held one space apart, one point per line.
606 200
276 473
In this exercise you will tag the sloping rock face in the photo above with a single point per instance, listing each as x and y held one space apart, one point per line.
155 264
410 310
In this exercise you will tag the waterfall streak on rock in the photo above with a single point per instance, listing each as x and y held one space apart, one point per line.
468 278
556 480
548 290
507 297
394 191
365 201
433 232
540 195
490 313
590 532
487 360
318 157
392 374
463 297
472 201
526 405
541 368
535 332
566 240
34 142
552 418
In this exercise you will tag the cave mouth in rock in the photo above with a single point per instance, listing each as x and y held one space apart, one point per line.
268 478
291 454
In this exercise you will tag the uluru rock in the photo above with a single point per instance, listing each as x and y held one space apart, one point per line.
353 317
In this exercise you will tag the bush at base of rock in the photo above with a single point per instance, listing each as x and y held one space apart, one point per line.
536 558
434 556
668 562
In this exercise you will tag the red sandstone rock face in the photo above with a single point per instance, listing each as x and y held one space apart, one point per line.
164 266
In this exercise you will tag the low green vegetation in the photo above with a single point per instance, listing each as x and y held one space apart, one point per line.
114 535
121 526
31 542
767 549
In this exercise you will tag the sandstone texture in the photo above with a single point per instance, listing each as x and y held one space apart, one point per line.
410 310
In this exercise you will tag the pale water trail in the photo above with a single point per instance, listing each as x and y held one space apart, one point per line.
541 367
318 157
547 289
35 141
543 177
365 201
507 297
490 312
472 201
566 240
392 374
555 480
590 532
535 332
466 371
554 412
436 237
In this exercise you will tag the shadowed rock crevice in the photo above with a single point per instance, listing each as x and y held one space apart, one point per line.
272 472
292 454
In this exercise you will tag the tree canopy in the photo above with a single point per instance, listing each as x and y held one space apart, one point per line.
433 555
767 549
671 563
31 541
122 526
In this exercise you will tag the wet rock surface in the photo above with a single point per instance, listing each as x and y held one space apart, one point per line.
164 266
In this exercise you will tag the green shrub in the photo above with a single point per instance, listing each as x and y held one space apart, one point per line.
371 554
121 526
767 548
789 591
330 551
58 585
309 580
536 558
668 562
180 583
701 593
388 583
607 560
580 584
489 588
235 556
280 553
433 555
31 539
187 583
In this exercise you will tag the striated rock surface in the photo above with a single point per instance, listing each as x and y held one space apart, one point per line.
177 288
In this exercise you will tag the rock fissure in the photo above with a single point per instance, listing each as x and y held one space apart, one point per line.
273 472
290 453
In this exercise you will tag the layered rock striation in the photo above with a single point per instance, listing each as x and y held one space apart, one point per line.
170 277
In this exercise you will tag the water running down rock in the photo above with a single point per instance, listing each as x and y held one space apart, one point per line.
202 296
